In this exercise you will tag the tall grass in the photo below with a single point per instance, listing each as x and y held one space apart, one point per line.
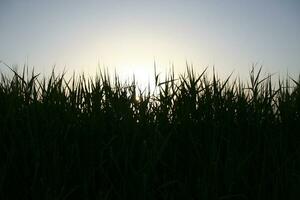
195 137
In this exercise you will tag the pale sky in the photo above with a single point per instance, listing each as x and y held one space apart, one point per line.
128 35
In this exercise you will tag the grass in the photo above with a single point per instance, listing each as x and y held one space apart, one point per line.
195 137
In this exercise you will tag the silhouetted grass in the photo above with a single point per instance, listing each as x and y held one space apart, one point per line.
195 138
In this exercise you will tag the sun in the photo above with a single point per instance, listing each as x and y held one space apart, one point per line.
142 74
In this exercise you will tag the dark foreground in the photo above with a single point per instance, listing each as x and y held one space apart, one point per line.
196 138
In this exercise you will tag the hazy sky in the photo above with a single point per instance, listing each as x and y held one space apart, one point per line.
129 35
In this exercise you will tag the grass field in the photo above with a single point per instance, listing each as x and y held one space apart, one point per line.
194 137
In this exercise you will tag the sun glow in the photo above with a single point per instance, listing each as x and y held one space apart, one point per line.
142 74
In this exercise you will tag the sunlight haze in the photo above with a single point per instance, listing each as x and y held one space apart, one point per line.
129 36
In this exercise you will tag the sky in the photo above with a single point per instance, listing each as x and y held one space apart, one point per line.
128 36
